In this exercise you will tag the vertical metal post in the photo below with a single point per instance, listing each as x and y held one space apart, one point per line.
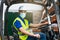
1 21
49 20
6 27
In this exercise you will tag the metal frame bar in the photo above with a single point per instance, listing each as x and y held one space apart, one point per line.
1 21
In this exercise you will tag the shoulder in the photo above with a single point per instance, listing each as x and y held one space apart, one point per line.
16 19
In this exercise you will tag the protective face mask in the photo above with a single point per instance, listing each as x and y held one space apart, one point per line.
23 15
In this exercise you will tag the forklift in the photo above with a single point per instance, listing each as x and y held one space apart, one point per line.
11 2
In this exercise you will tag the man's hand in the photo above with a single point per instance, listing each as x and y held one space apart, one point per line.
37 35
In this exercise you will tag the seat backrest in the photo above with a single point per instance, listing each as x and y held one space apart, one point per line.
15 32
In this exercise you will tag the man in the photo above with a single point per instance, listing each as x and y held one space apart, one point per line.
22 26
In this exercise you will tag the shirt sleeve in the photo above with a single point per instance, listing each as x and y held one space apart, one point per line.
17 24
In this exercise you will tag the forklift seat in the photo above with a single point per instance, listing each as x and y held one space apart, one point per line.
15 33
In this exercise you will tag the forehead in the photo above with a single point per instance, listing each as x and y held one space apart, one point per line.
22 10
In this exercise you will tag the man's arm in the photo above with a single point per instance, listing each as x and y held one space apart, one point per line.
27 33
38 25
19 26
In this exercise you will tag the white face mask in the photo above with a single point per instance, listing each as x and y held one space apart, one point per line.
23 15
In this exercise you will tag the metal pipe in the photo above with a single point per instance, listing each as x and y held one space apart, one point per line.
1 21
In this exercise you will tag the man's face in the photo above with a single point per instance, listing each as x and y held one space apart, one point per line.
22 13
